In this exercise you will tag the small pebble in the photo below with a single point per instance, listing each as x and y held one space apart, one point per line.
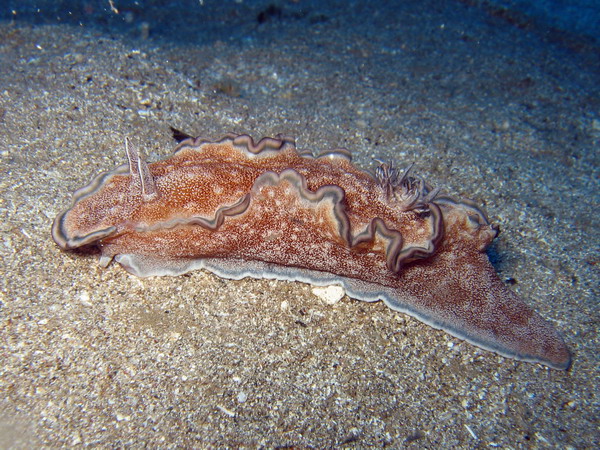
329 294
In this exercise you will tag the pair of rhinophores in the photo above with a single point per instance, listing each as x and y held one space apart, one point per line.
266 210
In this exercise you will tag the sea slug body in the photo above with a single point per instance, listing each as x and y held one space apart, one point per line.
243 209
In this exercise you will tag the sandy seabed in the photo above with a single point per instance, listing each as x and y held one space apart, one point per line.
489 111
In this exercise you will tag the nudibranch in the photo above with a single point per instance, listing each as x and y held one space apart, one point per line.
266 210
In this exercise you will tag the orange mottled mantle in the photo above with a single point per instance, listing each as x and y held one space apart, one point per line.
239 208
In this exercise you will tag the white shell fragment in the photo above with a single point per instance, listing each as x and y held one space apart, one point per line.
329 294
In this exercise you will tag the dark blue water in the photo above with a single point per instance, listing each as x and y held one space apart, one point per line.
575 20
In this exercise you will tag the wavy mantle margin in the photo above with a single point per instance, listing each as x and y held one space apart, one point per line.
141 177
396 255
